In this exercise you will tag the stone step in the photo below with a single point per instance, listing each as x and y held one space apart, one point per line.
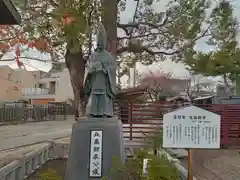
177 153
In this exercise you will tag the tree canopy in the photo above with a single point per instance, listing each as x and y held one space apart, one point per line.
52 24
224 59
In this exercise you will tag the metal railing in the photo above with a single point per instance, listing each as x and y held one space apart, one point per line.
18 113
34 91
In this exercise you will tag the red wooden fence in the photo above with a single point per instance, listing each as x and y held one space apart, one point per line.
144 119
230 123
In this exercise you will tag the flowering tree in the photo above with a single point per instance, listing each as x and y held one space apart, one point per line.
157 83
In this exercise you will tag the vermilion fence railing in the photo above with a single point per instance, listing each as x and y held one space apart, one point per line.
141 120
230 122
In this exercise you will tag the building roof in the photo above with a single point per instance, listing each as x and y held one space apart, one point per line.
179 97
132 90
168 83
203 97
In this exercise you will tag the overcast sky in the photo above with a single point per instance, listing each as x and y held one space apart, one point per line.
178 69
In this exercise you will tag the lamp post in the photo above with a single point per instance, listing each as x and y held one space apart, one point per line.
9 13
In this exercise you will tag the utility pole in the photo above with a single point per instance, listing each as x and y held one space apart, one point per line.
132 71
118 74
130 38
134 74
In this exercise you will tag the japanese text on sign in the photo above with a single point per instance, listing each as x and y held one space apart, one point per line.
191 127
96 154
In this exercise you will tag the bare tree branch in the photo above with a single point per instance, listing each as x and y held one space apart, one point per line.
140 36
203 34
125 27
53 3
135 48
31 58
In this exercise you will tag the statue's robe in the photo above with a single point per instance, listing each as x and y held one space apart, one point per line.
100 84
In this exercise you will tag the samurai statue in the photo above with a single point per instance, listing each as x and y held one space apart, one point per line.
100 80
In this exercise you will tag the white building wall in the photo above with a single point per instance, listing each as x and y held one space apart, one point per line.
63 87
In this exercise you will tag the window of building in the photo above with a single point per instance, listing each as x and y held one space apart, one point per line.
52 87
18 81
41 86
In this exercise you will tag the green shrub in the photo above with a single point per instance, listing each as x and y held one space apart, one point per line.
50 174
159 168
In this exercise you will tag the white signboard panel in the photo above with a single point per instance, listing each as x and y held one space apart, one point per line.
191 127
95 168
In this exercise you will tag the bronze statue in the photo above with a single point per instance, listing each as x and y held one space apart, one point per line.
100 80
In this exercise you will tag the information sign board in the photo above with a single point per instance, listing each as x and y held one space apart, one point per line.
191 127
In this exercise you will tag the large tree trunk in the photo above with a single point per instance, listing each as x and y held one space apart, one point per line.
110 10
227 85
76 67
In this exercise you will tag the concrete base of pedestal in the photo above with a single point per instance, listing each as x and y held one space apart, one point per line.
79 154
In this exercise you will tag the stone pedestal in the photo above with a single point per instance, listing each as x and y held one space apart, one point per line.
78 165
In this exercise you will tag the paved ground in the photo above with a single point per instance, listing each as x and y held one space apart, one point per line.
12 136
223 164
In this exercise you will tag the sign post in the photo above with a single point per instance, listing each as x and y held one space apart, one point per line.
190 173
192 128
